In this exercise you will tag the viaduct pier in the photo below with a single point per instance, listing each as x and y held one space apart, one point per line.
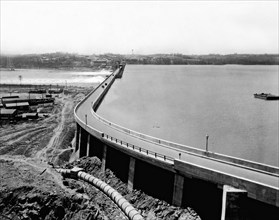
215 185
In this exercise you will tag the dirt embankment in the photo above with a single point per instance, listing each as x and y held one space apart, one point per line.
26 147
149 207
32 189
39 195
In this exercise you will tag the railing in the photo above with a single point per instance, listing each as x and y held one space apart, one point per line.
139 149
190 150
78 119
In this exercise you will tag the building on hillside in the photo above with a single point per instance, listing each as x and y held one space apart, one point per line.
7 114
55 91
30 115
18 105
100 62
13 100
9 97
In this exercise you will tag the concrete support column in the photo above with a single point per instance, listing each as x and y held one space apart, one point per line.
131 173
83 143
88 145
77 137
232 203
92 146
177 190
104 158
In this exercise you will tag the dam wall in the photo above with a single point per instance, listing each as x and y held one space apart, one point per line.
179 183
212 193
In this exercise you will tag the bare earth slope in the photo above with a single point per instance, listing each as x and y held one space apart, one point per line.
30 188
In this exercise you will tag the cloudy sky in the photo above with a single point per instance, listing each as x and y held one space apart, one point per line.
146 27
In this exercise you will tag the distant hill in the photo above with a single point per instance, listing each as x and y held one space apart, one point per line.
68 61
211 59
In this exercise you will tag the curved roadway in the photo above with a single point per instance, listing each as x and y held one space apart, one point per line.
85 115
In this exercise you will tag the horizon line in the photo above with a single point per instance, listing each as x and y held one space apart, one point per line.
137 54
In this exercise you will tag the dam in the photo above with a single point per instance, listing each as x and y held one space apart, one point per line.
215 185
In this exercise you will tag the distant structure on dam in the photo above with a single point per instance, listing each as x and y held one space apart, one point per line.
216 186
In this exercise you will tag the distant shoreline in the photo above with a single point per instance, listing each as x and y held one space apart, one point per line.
58 69
85 69
75 62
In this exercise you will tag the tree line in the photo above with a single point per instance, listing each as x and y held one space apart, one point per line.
66 60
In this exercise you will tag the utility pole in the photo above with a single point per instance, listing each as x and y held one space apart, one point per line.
207 142
20 78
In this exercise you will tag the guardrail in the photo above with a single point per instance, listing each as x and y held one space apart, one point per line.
183 148
90 93
139 149
79 120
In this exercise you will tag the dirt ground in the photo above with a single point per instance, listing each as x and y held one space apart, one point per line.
27 148
30 188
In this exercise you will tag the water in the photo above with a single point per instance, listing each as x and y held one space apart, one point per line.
61 77
184 103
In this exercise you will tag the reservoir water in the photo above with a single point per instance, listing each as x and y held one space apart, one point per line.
184 103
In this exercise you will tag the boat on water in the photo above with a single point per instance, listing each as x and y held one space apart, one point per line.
266 96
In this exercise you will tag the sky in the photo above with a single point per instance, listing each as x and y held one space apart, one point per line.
139 27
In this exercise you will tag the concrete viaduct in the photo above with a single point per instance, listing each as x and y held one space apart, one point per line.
215 185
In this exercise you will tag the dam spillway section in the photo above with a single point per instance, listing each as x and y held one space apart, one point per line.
179 174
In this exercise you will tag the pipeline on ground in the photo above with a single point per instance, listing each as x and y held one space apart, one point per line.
120 201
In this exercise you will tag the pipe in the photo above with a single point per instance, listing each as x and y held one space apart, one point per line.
123 204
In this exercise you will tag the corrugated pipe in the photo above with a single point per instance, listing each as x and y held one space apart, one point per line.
122 203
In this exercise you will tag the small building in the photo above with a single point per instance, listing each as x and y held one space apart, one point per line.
30 115
18 105
7 114
38 91
55 91
10 97
13 100
100 62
